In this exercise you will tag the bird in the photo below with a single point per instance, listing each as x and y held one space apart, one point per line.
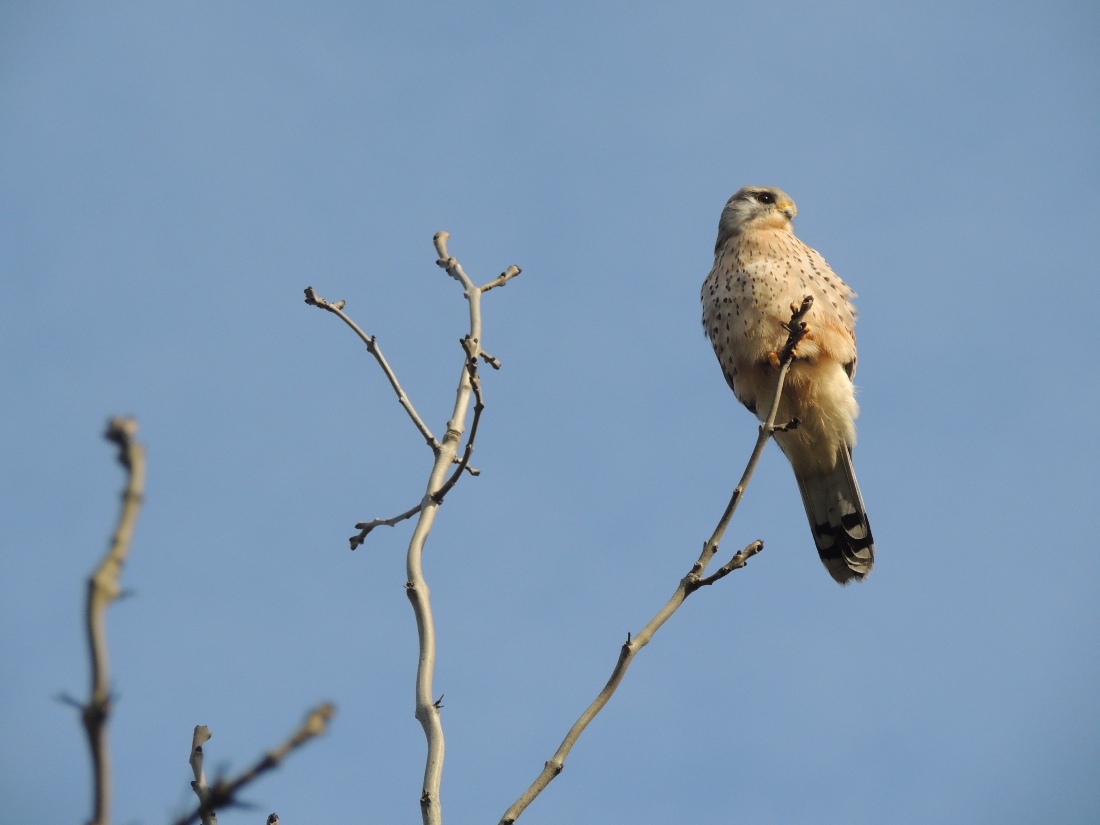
761 272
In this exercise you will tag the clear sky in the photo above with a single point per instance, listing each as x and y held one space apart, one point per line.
172 175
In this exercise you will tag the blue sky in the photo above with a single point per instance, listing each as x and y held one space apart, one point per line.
172 175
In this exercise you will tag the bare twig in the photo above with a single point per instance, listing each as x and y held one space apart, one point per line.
479 406
207 813
337 309
364 527
501 279
223 793
463 462
104 586
688 585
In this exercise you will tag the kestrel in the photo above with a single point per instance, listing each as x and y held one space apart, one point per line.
760 270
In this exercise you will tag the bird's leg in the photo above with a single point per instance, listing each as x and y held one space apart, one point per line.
786 428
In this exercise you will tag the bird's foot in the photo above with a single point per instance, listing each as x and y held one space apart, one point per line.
776 358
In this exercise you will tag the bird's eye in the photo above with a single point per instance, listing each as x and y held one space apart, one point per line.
765 197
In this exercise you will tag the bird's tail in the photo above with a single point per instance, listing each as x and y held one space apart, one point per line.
838 520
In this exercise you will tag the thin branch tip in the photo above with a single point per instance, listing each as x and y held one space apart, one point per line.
503 278
371 343
365 527
315 300
121 429
440 240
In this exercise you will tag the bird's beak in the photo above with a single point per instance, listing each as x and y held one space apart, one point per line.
787 208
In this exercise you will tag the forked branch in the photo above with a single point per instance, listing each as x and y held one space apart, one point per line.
416 588
438 486
688 584
365 527
479 405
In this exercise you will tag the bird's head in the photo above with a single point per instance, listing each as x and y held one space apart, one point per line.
755 207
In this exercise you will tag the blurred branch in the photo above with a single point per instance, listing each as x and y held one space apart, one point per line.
206 812
223 793
688 584
104 586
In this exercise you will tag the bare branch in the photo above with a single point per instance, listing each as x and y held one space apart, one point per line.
337 309
475 384
501 279
446 454
449 264
364 527
688 585
739 560
104 586
223 794
206 812
416 587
